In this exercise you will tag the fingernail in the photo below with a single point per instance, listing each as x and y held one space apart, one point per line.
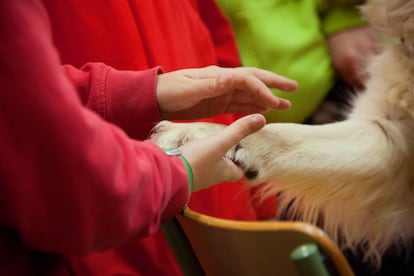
258 119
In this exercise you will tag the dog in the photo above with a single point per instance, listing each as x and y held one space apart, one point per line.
355 178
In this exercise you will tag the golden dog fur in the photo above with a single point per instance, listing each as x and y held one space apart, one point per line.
356 177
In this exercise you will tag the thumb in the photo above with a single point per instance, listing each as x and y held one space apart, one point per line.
209 165
231 135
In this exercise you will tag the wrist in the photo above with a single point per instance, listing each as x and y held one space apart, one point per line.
177 153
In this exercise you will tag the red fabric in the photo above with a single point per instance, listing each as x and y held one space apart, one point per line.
72 183
117 96
265 205
139 34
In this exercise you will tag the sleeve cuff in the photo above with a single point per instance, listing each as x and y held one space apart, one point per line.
131 101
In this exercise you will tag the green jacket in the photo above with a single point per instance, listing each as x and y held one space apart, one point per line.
289 37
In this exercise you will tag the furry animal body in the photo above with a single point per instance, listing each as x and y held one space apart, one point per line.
355 178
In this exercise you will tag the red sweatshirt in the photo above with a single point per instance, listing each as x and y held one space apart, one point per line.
72 183
126 35
140 34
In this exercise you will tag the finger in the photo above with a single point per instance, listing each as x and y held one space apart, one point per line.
271 79
238 86
248 108
284 104
248 100
231 135
258 91
243 81
214 86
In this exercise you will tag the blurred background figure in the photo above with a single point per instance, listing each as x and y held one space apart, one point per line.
323 44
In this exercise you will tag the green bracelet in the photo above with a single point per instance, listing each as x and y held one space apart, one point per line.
177 152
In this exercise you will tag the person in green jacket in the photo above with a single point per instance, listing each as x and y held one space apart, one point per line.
315 42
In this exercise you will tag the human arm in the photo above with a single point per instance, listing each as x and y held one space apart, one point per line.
128 97
350 51
206 92
350 40
71 182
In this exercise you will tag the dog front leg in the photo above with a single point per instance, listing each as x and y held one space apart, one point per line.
320 156
349 177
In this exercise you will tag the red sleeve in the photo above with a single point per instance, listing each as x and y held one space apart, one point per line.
125 98
71 182
221 32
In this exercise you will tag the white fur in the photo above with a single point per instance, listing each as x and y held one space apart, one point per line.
356 177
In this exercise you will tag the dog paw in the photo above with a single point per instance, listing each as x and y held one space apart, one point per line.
240 155
263 154
169 135
253 154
